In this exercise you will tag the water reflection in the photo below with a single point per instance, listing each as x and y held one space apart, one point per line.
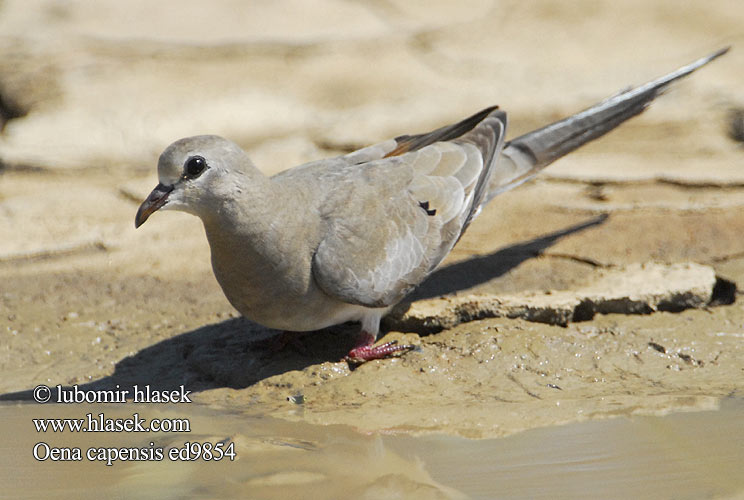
683 455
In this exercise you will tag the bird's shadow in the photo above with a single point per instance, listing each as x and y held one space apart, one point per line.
238 353
478 270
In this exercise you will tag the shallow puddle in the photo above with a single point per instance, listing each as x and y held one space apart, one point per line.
683 455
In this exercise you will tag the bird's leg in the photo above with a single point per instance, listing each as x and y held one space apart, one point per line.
279 342
366 351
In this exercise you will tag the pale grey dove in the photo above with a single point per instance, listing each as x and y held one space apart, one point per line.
346 238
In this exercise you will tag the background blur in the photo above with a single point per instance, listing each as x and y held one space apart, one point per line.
109 84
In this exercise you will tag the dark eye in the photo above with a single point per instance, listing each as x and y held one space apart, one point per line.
194 166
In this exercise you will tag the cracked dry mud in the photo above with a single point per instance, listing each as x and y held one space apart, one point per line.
520 339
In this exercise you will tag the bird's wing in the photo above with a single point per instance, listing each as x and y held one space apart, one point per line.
397 208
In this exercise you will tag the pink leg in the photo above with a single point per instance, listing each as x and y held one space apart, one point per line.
366 351
277 343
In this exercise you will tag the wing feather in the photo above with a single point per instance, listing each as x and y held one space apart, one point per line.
408 209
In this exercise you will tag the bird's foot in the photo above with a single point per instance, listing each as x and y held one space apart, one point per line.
365 351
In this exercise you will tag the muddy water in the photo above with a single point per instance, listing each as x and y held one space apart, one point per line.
683 455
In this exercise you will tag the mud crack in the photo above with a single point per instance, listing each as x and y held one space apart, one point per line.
637 289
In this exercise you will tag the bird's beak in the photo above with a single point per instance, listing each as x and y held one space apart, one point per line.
154 201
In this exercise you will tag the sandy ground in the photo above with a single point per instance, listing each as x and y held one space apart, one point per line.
91 94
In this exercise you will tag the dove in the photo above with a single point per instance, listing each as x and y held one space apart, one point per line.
346 238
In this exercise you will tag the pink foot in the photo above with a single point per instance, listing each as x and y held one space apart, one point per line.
365 351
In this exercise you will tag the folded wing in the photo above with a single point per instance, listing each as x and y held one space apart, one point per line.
392 220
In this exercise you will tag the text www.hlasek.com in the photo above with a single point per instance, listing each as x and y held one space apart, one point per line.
100 423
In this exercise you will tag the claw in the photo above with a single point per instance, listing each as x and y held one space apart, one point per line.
368 352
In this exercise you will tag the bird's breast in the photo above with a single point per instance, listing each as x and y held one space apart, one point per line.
269 280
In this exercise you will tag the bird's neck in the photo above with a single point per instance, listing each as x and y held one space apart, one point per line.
251 239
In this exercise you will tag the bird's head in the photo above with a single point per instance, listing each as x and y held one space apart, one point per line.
194 173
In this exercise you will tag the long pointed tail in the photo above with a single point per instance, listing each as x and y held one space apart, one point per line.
523 157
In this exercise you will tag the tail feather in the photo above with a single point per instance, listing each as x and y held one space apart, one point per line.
523 157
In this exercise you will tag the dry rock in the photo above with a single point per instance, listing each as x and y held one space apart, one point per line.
634 289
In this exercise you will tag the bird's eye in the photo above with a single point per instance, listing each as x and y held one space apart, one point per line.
194 166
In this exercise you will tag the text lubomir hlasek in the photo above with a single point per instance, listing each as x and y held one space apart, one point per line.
137 394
